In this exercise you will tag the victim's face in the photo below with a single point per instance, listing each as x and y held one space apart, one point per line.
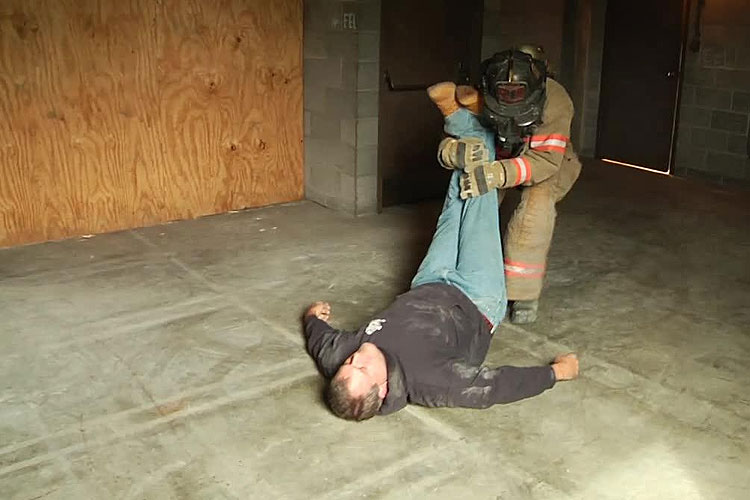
363 369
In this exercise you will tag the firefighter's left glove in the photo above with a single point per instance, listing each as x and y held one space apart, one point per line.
466 153
482 179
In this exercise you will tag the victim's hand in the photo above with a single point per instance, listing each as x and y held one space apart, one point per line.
321 310
565 366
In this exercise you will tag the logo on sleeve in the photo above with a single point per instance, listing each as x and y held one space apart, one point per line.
375 326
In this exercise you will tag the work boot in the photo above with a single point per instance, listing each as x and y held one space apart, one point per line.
469 98
524 311
443 94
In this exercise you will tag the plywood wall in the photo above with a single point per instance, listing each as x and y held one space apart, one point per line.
125 113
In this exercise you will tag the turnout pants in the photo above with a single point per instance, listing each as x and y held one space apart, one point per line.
529 233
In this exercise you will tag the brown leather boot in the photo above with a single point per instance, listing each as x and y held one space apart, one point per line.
443 94
469 98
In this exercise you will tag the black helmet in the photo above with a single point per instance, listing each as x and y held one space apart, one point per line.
513 87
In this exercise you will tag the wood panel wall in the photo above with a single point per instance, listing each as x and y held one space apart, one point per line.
126 113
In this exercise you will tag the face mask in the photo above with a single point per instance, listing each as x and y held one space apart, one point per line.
514 91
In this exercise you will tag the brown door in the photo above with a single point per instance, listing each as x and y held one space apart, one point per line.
422 43
640 69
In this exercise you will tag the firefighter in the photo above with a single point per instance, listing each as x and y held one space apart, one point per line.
530 115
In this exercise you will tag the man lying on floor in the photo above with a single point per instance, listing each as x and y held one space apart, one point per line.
429 346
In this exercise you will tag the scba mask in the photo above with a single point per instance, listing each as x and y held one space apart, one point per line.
513 87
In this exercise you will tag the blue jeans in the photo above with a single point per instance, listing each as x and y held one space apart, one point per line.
466 251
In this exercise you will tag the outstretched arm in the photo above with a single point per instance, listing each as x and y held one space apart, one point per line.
510 383
328 346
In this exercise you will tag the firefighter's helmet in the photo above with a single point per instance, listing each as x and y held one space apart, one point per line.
513 86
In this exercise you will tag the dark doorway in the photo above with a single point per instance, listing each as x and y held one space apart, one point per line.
421 43
643 42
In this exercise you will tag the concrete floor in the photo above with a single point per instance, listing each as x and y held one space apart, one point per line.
167 362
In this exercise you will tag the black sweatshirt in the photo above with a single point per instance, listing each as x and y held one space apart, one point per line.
435 341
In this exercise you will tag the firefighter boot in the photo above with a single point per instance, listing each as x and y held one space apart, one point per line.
524 311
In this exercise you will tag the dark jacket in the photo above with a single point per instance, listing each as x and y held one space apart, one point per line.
435 341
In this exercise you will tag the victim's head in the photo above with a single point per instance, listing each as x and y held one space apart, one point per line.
359 387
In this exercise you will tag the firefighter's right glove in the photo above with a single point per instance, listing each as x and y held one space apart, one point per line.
482 179
465 153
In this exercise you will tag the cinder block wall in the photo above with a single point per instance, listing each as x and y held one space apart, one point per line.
712 139
368 88
341 48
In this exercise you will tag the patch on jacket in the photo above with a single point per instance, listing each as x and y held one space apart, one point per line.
374 326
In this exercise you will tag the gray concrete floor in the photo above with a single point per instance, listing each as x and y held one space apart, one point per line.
168 362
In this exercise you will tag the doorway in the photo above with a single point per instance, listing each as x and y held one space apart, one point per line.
422 43
641 70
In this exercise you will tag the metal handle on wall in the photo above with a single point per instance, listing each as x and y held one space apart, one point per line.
401 88
461 70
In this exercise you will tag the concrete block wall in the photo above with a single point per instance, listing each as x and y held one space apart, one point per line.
714 121
368 85
341 47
